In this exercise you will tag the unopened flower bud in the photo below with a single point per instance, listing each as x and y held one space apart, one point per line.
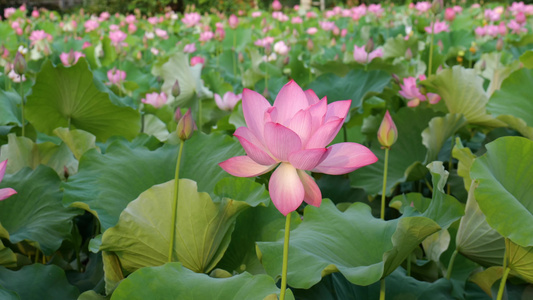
387 132
176 90
499 44
310 45
408 54
369 47
19 65
178 115
396 78
186 126
343 47
241 57
436 6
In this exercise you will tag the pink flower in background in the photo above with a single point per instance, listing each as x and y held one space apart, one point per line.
233 21
361 56
9 11
433 98
458 9
197 60
130 19
85 45
423 6
190 48
515 27
410 91
438 28
227 102
70 58
206 36
311 14
39 35
220 33
91 25
155 99
276 5
291 137
116 76
376 9
114 27
312 30
104 16
449 14
154 51
281 48
132 28
480 31
191 19
35 13
5 192
256 14
117 37
493 14
280 16
153 20
520 18
296 20
161 33
326 25
264 42
344 32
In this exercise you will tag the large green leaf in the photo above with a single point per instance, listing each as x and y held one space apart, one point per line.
475 238
7 257
520 260
462 92
466 158
173 281
38 281
365 250
36 214
439 130
78 141
22 152
189 78
106 183
141 238
9 108
67 96
355 85
505 189
514 97
405 156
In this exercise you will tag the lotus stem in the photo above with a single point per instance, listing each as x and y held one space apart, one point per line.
285 257
382 289
175 203
450 165
22 101
385 167
234 53
431 45
409 264
450 265
502 284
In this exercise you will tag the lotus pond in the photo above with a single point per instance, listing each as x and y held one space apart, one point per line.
371 152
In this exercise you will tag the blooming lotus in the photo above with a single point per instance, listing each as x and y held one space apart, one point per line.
161 33
227 102
291 137
6 192
91 25
117 37
197 60
70 58
116 76
276 5
191 19
437 28
189 48
281 48
361 56
233 21
410 91
155 99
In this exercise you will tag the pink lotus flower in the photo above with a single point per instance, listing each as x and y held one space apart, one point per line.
520 18
296 20
227 102
376 9
291 137
70 58
9 11
423 6
104 16
189 48
153 20
116 76
327 26
161 33
91 25
256 14
480 31
35 13
276 5
5 192
117 37
410 91
449 14
191 19
39 35
281 48
197 60
515 27
155 99
233 21
361 56
438 27
130 19
206 36
132 28
312 30
387 132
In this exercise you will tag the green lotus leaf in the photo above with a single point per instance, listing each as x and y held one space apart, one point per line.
439 130
462 92
78 141
505 187
9 108
38 281
68 97
173 281
7 257
366 250
36 214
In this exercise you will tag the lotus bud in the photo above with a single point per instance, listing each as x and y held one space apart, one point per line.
176 90
241 57
186 126
178 115
436 6
387 132
396 78
19 65
310 45
408 54
343 47
369 47
499 44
